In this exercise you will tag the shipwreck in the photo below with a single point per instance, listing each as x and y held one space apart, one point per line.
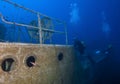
38 62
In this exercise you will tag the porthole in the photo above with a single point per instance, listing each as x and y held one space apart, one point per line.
7 64
30 61
60 56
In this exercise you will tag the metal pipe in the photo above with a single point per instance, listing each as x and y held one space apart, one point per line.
66 35
40 28
20 6
32 11
28 26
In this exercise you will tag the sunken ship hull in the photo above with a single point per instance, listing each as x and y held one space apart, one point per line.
54 64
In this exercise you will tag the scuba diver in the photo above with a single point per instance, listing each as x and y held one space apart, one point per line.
100 55
81 54
83 62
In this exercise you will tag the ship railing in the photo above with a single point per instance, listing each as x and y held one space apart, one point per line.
39 27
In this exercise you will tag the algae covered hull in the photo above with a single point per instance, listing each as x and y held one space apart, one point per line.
36 64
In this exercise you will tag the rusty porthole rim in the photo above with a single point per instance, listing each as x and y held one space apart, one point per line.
25 59
9 57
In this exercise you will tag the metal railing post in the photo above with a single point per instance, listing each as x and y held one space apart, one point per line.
40 28
66 34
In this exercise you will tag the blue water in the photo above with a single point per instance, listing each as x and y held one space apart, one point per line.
96 22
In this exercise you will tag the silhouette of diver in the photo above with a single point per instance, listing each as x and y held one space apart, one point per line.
79 46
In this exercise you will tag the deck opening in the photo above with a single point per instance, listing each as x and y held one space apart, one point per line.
30 61
60 56
7 64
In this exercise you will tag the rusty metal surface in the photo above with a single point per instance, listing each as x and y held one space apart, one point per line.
48 69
